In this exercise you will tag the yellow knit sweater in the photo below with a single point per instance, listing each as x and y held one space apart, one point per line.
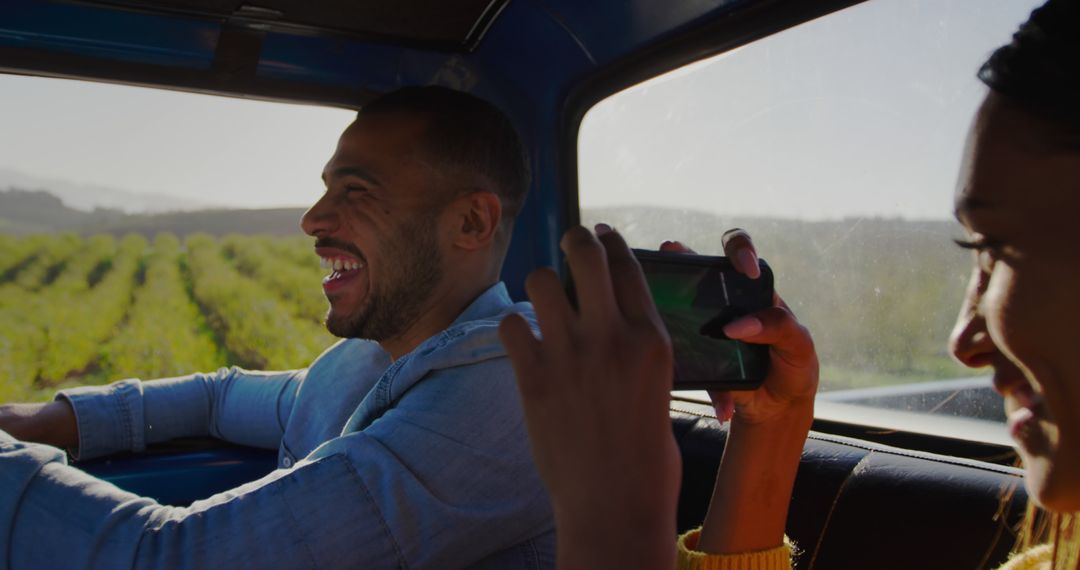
779 558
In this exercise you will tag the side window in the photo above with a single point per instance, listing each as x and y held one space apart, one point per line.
836 144
148 233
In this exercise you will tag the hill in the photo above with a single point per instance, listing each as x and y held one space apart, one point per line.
24 212
88 197
281 222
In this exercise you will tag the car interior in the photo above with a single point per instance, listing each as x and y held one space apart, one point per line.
874 490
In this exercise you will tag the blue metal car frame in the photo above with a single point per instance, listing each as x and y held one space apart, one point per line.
545 62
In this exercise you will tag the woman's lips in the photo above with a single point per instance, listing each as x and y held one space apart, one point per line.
1023 424
1007 383
1025 413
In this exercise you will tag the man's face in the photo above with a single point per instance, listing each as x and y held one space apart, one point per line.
376 228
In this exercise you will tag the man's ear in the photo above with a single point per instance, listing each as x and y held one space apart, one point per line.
477 216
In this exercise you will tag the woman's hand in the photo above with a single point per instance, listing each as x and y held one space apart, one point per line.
793 373
768 425
595 391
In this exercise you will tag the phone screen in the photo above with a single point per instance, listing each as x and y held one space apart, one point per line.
696 296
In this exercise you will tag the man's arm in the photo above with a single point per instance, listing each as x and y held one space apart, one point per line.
52 423
432 483
280 521
240 406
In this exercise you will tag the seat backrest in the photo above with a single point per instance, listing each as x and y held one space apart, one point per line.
866 506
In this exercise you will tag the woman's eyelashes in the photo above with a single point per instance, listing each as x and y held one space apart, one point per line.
987 250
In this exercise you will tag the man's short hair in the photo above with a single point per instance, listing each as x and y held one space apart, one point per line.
466 132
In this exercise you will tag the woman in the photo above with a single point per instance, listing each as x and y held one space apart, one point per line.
597 413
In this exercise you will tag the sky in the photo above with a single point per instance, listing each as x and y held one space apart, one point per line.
800 125
860 113
209 149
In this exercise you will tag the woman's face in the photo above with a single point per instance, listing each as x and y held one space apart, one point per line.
1018 198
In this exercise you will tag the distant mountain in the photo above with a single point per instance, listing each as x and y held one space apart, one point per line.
271 221
38 211
87 197
24 212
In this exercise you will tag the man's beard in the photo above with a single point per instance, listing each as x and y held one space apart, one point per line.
411 266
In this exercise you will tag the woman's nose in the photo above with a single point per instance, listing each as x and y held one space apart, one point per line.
970 342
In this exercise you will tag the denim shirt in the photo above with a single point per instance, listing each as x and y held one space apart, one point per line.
418 463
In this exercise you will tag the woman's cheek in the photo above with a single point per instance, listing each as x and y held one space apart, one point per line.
1001 305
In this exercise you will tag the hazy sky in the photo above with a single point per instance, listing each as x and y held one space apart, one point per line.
211 149
862 112
801 125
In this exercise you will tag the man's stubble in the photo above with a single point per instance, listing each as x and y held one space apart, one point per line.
412 267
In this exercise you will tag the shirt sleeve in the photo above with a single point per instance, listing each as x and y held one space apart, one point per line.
426 485
241 406
778 558
56 516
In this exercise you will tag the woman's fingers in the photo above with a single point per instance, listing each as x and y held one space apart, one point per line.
524 351
627 280
553 311
588 265
724 404
740 249
676 247
776 327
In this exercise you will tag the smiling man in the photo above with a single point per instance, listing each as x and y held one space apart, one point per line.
402 446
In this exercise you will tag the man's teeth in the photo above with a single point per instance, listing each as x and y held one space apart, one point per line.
340 264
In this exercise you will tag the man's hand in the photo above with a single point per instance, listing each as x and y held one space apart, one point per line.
768 425
595 392
52 423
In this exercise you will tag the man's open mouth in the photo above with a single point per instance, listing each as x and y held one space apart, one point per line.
342 268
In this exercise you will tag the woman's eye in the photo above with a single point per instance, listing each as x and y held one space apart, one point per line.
986 251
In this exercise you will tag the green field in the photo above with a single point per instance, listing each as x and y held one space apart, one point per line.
90 310
878 295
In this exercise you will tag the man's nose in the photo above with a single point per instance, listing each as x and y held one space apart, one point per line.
970 342
321 218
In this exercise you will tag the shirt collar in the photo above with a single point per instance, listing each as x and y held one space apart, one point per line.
491 302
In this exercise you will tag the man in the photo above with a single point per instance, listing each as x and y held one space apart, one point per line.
403 446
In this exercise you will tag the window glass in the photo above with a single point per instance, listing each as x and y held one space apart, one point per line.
148 233
836 144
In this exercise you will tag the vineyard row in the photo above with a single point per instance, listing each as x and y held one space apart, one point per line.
75 311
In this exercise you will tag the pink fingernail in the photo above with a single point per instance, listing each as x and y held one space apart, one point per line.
748 259
743 328
728 412
602 229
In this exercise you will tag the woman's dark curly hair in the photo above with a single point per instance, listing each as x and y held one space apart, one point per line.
1040 69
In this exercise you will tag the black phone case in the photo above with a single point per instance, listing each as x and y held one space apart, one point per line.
742 296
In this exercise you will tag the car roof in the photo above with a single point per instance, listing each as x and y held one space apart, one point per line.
345 52
545 62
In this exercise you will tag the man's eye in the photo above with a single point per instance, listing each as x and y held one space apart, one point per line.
355 190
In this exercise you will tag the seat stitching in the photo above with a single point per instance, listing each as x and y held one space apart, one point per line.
1008 493
832 507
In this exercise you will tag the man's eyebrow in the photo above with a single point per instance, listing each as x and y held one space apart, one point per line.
345 171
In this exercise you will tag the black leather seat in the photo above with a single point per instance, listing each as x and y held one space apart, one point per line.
866 506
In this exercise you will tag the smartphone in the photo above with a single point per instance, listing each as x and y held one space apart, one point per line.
696 295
